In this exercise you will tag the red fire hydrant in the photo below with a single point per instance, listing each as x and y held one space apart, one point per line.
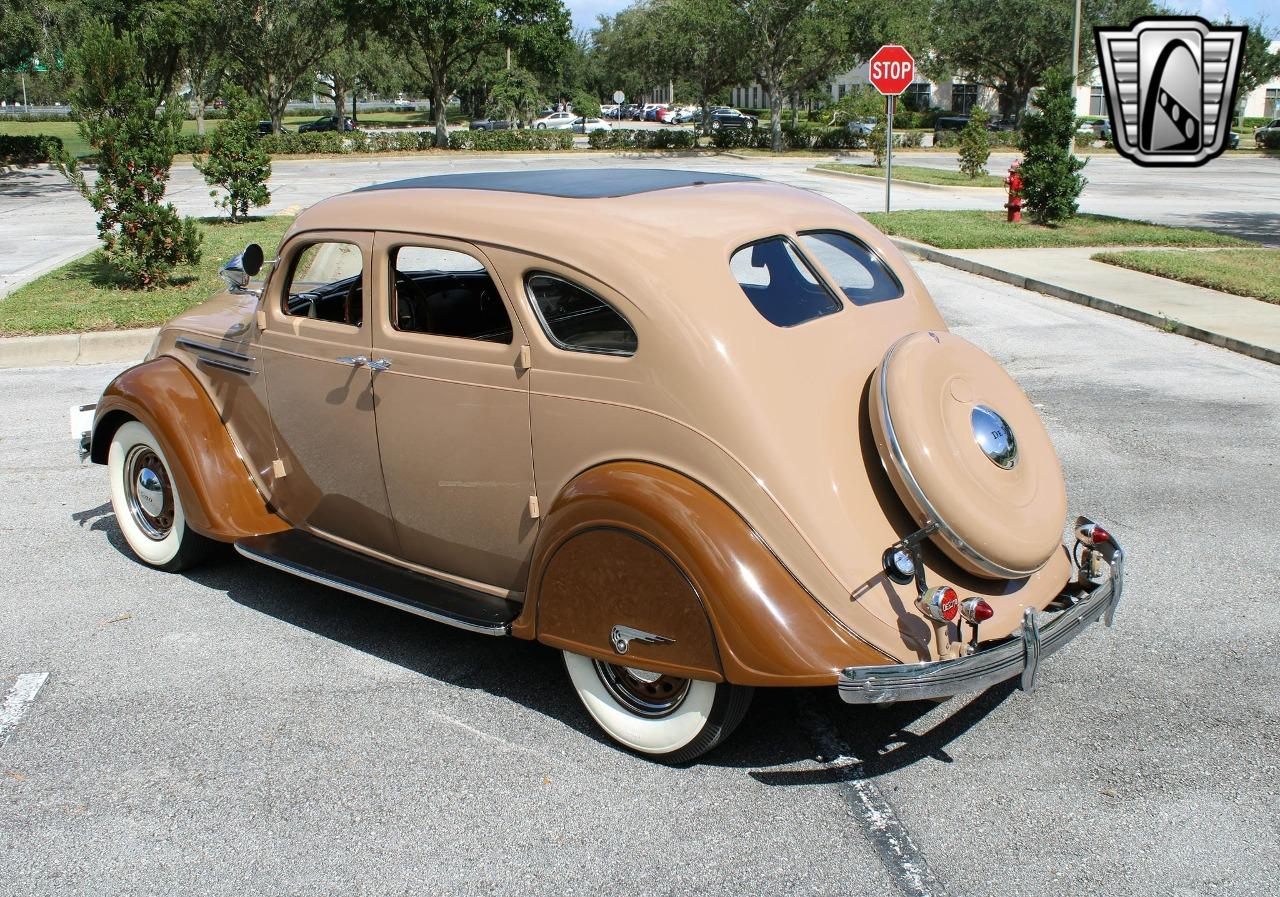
1014 183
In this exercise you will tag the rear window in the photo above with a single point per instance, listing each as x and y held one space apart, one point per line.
780 284
577 320
856 270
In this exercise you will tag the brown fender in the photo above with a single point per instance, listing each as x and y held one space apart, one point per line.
219 498
642 546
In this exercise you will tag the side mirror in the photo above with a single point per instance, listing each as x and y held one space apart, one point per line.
244 266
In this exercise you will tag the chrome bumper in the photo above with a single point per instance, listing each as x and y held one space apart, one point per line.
1020 655
81 420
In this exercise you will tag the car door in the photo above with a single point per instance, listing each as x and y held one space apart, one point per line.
453 412
315 336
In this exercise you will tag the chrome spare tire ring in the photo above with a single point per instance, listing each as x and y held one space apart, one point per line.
149 492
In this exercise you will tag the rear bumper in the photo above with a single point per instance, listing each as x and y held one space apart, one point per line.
1081 605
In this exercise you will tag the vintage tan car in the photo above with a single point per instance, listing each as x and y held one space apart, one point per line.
702 433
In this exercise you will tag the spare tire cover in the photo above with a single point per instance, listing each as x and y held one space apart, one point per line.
966 450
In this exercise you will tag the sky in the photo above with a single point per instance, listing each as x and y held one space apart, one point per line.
585 11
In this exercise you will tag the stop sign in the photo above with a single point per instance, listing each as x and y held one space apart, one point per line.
892 69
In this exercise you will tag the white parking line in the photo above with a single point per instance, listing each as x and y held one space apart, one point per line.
880 822
17 701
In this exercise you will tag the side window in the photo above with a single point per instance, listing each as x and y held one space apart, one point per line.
858 271
780 284
446 293
326 283
578 320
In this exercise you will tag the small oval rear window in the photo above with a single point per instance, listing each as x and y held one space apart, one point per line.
857 271
780 284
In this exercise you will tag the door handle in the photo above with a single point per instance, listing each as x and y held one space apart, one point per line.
354 360
380 364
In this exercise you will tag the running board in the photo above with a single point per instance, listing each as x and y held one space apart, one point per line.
329 564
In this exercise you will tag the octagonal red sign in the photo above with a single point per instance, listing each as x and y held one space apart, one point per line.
892 68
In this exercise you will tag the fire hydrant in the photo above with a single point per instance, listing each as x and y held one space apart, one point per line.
1014 183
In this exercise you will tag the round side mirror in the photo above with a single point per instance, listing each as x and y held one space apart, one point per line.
251 259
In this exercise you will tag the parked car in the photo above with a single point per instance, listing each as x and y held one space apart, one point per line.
264 128
1233 140
1268 134
862 127
554 120
490 124
327 123
732 119
652 111
516 430
587 125
403 102
668 115
688 115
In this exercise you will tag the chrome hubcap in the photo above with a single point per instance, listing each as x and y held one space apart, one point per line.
644 693
994 436
149 492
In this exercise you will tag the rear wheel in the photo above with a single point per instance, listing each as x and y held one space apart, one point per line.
667 718
147 505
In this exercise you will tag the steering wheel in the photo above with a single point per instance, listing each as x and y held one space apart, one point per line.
409 297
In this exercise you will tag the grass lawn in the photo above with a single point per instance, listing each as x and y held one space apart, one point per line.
976 229
947 176
87 295
1245 272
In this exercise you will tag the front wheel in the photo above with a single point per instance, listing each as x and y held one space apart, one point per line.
146 503
542 127
667 718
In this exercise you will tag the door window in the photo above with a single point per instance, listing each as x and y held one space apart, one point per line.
577 320
326 284
446 293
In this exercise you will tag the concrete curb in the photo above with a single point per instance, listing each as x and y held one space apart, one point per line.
897 182
63 349
1060 292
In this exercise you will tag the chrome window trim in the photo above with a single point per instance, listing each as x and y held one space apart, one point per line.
225 366
871 251
546 328
294 249
899 462
185 343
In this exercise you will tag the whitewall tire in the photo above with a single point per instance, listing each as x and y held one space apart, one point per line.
669 719
146 503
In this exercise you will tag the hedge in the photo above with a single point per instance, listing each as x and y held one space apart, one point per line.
634 138
28 149
511 140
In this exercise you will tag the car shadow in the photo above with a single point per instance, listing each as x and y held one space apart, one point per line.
777 731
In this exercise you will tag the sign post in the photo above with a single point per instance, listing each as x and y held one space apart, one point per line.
890 70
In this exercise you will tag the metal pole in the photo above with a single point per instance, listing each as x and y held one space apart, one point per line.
1075 70
888 151
24 92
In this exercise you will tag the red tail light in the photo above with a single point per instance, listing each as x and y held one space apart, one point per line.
976 610
940 603
1092 534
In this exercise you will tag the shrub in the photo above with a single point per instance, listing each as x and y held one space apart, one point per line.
877 139
634 138
142 237
192 144
910 138
975 144
29 150
1050 171
946 138
238 164
733 139
1083 141
511 141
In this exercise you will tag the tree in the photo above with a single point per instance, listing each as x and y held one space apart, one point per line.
1009 45
142 237
704 41
516 95
445 40
237 164
358 63
1051 177
975 144
22 36
274 46
1259 64
205 65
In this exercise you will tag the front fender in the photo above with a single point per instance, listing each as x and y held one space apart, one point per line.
639 545
218 496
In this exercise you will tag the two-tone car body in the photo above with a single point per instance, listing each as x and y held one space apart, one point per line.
702 433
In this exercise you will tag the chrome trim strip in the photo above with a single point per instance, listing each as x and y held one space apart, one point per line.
224 365
184 343
904 472
622 637
353 589
976 672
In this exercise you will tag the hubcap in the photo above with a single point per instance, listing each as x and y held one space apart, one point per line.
644 693
994 436
149 493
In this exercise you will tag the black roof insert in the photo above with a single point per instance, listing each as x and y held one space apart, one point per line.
571 183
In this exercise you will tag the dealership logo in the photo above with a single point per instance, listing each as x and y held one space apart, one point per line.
1170 83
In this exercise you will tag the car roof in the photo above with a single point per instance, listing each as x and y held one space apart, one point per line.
566 183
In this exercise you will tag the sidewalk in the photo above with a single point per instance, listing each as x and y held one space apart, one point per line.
1248 326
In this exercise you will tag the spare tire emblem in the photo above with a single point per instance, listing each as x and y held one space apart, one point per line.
994 436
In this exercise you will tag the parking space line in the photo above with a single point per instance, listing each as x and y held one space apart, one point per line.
17 700
880 822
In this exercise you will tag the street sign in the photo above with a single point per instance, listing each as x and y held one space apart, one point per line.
619 96
892 69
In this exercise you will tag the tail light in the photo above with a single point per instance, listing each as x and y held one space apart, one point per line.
976 610
940 604
1091 534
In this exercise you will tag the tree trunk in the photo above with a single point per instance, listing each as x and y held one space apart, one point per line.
794 111
199 113
440 106
339 100
775 118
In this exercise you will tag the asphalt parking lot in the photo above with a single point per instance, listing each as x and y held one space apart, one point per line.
236 731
